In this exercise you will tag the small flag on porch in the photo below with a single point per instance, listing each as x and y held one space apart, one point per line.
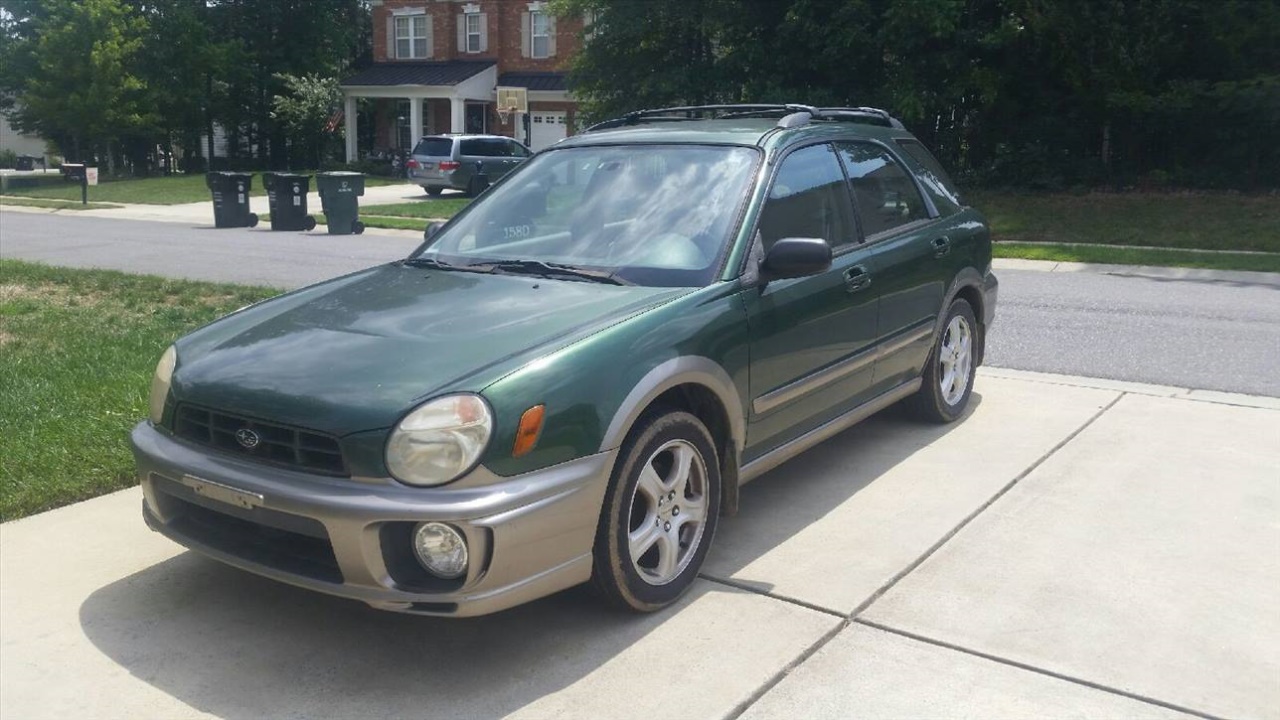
334 121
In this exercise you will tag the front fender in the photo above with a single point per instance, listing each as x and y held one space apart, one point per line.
672 373
595 389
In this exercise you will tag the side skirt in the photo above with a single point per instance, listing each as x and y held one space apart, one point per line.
781 454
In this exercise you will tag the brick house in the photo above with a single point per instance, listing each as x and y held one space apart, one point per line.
438 64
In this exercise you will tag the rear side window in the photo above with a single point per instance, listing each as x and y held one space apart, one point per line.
808 200
435 147
945 194
885 195
486 147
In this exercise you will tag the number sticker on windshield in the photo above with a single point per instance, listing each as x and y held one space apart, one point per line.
516 232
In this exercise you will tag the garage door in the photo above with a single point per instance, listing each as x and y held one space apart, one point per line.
546 128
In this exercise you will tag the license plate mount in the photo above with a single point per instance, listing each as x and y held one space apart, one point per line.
222 493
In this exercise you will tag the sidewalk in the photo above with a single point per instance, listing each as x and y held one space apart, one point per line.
1073 547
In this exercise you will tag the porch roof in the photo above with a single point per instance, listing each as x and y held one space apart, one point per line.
535 81
418 73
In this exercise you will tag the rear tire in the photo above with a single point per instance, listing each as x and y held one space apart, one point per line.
948 374
253 219
310 223
660 513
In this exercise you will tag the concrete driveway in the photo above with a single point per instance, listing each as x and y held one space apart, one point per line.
1073 548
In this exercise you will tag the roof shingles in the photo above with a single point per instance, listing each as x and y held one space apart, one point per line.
418 73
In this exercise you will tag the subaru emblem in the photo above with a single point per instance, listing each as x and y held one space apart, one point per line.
247 438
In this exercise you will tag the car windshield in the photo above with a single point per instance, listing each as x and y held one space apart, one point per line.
656 215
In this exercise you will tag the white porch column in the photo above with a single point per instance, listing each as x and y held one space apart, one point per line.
415 122
457 114
349 127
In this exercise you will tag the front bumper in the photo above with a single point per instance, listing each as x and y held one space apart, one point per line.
528 536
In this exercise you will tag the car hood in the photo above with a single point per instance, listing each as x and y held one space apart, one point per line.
355 353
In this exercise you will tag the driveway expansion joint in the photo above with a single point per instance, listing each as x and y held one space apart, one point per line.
853 616
1032 668
982 508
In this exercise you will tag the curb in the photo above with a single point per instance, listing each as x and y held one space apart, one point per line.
1155 272
1265 402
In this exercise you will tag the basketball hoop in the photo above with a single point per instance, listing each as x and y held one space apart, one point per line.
512 100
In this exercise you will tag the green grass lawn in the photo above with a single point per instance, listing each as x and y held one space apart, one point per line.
444 207
171 190
77 351
1205 221
1136 256
55 204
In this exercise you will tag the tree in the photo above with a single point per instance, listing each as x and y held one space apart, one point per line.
1034 93
306 110
82 90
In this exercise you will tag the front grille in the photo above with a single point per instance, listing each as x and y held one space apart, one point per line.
279 444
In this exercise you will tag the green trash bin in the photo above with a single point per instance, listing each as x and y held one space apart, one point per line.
231 199
287 196
339 198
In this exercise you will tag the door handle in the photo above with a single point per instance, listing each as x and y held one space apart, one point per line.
941 246
856 278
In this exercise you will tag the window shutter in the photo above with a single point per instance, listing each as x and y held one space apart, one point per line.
551 36
391 37
526 35
462 34
431 40
484 32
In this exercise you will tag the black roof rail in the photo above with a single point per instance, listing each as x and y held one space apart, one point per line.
689 112
794 114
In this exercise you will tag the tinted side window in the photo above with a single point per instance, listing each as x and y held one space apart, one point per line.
517 150
808 199
884 193
485 147
945 194
434 147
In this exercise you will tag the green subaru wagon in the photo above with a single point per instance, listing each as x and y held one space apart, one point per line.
570 381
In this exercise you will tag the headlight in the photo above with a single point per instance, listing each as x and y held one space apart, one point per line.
440 440
160 383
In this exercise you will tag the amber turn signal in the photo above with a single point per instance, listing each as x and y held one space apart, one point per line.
529 430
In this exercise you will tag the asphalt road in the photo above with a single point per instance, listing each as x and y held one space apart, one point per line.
1211 335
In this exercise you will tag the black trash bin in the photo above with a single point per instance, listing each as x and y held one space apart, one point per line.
339 198
231 199
25 162
287 196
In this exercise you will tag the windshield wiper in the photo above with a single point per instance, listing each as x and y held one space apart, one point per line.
550 269
434 264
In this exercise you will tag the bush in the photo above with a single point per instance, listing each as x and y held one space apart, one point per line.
8 158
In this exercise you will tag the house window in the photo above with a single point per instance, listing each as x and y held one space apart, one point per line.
411 37
473 32
541 46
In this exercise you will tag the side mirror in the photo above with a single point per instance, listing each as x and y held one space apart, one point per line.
432 229
796 257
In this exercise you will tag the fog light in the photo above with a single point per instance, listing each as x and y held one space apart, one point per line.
440 549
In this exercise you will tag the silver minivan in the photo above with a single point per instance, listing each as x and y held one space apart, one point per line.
463 162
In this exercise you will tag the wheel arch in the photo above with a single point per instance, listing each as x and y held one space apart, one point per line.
701 387
966 286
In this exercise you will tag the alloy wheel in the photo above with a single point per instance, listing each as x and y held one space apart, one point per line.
668 511
955 359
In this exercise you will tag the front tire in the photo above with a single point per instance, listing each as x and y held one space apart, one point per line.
660 513
434 191
948 375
